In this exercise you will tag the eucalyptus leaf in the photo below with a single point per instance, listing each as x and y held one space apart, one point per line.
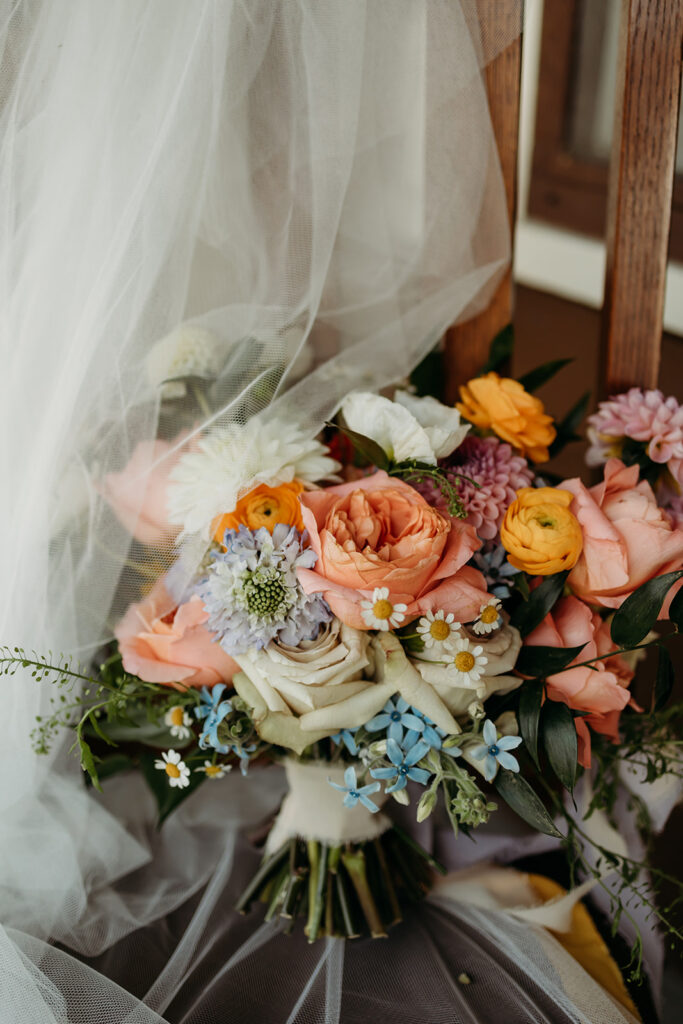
365 446
529 714
638 614
536 378
664 682
541 600
500 350
524 801
541 662
558 733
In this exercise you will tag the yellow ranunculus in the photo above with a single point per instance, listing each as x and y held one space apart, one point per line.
539 533
264 506
502 405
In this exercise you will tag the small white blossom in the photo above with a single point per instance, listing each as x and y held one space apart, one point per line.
178 721
177 771
214 771
380 612
438 630
467 664
188 351
489 617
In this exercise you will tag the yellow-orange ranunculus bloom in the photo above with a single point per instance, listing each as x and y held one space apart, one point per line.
264 506
539 533
502 405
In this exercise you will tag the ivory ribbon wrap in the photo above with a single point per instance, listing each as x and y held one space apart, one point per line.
312 809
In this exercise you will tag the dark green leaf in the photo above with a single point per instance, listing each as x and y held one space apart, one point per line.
536 378
665 679
530 614
88 759
529 713
429 378
558 733
545 661
524 801
500 350
522 585
638 614
567 427
676 610
113 764
97 728
365 446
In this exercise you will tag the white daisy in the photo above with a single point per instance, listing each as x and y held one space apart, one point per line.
172 763
214 771
488 618
178 720
438 629
380 613
229 461
468 663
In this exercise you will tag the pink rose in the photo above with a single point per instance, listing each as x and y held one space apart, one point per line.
627 538
379 532
602 690
138 493
168 644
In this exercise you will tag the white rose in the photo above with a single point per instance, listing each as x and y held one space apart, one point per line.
500 649
408 428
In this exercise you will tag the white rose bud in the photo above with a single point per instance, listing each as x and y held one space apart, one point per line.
476 711
426 805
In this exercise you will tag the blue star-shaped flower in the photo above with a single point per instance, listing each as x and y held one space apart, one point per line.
403 765
494 751
395 716
430 733
356 793
213 710
346 737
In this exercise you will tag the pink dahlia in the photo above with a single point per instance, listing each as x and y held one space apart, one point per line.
645 416
497 471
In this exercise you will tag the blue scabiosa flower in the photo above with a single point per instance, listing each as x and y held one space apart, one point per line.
252 592
356 793
346 736
495 751
395 716
402 766
212 710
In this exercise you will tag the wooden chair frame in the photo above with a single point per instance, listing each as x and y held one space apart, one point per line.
639 197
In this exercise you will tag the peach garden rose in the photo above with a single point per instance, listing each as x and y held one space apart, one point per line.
379 535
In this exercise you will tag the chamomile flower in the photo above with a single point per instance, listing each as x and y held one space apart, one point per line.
176 769
438 629
468 663
178 720
380 612
214 771
489 617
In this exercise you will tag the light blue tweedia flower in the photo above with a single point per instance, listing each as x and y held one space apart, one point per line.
213 710
346 736
494 751
354 792
497 570
252 592
430 734
243 755
403 766
395 716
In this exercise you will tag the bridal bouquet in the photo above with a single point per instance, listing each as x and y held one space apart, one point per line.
404 609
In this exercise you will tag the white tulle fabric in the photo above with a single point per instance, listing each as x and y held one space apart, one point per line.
312 189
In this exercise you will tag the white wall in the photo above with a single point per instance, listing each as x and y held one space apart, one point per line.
550 258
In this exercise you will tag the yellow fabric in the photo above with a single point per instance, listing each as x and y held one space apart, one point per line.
584 943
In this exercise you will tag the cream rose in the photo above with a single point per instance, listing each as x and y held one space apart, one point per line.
500 650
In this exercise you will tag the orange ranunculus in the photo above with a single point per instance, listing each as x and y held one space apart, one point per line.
502 405
600 690
627 538
168 644
380 533
539 533
264 506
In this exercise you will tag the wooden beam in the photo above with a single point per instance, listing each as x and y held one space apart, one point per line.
640 190
466 344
